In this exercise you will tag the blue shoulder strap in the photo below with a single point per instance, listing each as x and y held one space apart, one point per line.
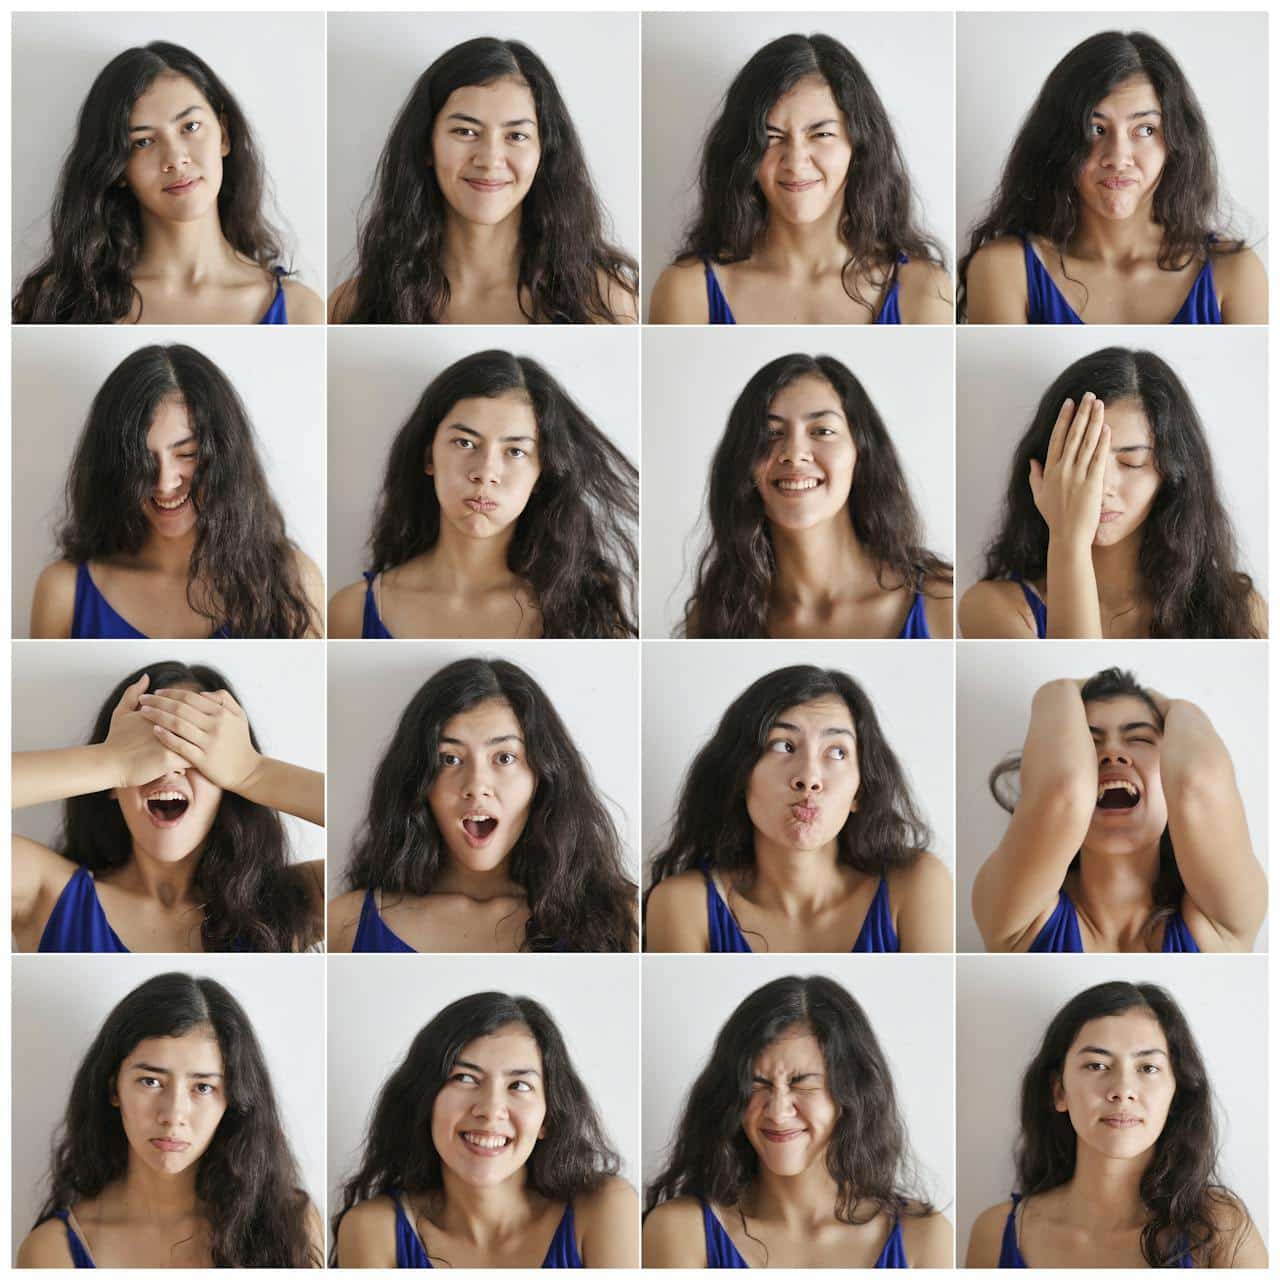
372 935
77 922
79 1254
372 627
1061 932
717 304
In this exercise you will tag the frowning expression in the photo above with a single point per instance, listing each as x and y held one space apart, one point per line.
805 167
1131 812
790 1115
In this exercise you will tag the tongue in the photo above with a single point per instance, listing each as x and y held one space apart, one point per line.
478 828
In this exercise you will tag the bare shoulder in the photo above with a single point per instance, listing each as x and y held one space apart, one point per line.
1258 614
342 300
607 1220
940 608
984 1238
620 300
676 917
992 610
996 283
926 875
1237 1242
673 1235
929 1239
925 295
46 1246
680 296
922 903
344 919
346 612
613 1196
54 603
367 1234
1241 283
313 588
304 306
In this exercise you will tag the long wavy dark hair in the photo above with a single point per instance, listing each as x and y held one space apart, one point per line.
246 1180
868 1156
573 1157
1168 891
733 579
878 221
711 823
568 858
1180 1187
1188 561
252 902
1036 194
243 571
96 236
567 264
574 542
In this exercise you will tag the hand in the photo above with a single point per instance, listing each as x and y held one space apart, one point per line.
1162 703
207 730
1067 488
137 756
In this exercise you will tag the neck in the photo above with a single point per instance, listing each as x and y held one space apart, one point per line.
147 1195
478 257
801 1201
462 565
1116 891
1117 242
170 556
168 883
797 882
480 885
183 254
804 248
485 1215
1115 569
818 566
1105 1192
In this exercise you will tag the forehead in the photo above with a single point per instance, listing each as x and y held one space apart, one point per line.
494 103
493 718
828 712
510 414
196 1050
167 95
506 1049
1118 711
807 102
796 1049
171 422
1124 1033
808 394
1129 96
1128 422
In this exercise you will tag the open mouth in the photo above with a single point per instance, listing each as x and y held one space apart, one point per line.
167 506
1117 793
486 1144
798 484
478 828
166 808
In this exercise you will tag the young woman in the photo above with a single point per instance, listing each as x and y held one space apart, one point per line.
1117 1154
171 840
172 1153
171 531
158 216
1128 834
482 209
485 1150
512 850
813 533
805 209
1107 211
790 1150
1112 523
796 831
505 512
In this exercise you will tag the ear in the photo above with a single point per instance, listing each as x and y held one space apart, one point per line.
853 805
113 1097
226 135
1059 1097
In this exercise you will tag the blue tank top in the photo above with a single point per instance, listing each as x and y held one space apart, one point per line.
718 305
916 626
876 935
1046 305
77 922
1061 932
276 313
372 934
723 1253
372 627
562 1253
92 618
1039 610
1011 1255
79 1254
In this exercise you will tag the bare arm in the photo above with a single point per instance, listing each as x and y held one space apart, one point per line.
996 284
342 301
346 612
313 588
925 295
1019 883
926 906
367 1235
289 788
54 602
1244 287
928 1241
985 1237
673 1235
676 919
996 611
680 296
608 1221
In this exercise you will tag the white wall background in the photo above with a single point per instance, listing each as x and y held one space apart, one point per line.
996 680
691 378
375 60
371 1025
1004 1005
61 1002
690 59
1005 58
591 683
1002 373
377 376
273 64
56 375
58 688
688 686
907 1000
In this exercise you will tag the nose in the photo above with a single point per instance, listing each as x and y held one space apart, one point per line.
175 1107
795 446
174 153
807 777
490 152
168 475
1110 753
795 153
485 466
1115 149
781 1104
476 780
1122 1088
1110 473
491 1102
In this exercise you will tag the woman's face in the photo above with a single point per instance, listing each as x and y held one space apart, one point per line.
790 1115
484 785
805 167
176 148
172 1093
485 150
1127 152
1131 481
1130 812
805 476
1117 1084
484 460
171 817
492 1109
805 784
171 440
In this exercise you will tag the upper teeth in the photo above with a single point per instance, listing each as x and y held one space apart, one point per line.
491 1140
167 795
798 484
1115 784
171 504
476 817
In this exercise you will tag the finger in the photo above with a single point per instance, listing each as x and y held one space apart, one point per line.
129 698
1079 425
228 702
203 715
206 702
179 726
1036 478
187 752
1058 435
1101 450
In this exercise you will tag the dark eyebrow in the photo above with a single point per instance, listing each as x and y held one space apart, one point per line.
1133 115
1128 728
178 444
506 124
488 742
514 1071
471 431
808 417
817 124
826 733
1133 448
1106 1053
139 128
164 1071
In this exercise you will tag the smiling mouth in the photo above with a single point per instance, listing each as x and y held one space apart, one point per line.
169 506
799 186
479 184
485 1144
167 808
1117 793
798 485
781 1135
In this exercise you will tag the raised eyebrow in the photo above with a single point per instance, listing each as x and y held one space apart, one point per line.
826 733
142 128
1133 115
